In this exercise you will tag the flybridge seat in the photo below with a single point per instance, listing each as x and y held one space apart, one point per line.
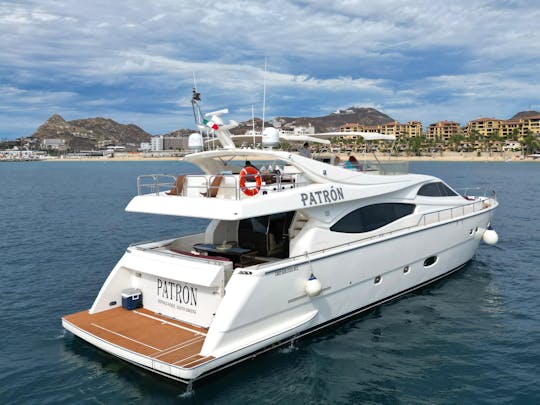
212 190
179 186
221 186
214 186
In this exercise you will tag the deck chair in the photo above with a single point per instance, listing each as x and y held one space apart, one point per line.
214 186
177 189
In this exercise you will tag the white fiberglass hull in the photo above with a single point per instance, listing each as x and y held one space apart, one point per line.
269 305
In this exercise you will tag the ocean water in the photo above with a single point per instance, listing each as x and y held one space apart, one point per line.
471 338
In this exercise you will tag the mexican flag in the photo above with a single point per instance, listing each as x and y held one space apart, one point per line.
211 124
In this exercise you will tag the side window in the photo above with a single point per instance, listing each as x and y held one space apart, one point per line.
436 189
371 217
445 190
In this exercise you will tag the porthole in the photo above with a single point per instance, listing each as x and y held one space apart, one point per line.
406 269
377 280
430 261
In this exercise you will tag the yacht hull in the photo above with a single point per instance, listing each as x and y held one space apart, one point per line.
269 307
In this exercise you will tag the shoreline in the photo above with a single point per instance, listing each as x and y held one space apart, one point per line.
504 157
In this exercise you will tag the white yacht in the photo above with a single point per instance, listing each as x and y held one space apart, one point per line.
287 252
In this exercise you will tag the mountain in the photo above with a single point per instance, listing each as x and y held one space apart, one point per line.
245 126
182 132
332 122
90 133
327 123
525 114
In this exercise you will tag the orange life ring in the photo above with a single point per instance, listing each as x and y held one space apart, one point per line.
251 172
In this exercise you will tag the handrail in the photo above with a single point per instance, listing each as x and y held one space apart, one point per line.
482 191
426 219
479 204
483 202
158 183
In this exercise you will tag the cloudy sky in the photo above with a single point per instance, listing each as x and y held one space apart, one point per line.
134 61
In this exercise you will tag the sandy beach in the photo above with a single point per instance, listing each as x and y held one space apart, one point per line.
440 156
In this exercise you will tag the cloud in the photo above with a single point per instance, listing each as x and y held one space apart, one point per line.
417 59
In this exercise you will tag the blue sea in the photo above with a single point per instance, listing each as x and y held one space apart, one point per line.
472 338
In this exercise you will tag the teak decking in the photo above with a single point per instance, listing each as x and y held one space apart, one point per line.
146 333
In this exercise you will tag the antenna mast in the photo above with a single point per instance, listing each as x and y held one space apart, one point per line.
264 96
195 99
253 122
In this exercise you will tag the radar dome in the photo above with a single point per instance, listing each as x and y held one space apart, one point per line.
195 142
270 137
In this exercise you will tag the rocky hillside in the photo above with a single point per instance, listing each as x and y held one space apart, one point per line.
525 114
245 126
180 132
332 122
91 132
327 123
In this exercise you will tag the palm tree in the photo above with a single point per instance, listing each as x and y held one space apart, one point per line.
531 143
474 136
514 136
414 144
456 141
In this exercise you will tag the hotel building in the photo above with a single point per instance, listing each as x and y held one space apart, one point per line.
408 130
443 130
489 127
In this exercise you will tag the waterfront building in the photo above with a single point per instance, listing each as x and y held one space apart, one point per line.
505 129
156 143
443 130
532 124
350 127
408 130
56 144
485 127
289 129
145 147
174 142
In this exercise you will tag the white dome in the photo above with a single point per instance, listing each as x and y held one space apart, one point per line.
270 137
195 142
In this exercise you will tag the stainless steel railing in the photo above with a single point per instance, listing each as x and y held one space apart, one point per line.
155 183
480 204
199 185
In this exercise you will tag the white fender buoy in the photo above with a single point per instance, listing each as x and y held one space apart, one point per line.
490 237
313 286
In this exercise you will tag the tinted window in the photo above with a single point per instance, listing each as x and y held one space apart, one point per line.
371 217
445 190
267 234
437 189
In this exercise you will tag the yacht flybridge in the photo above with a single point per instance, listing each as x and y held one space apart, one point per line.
288 251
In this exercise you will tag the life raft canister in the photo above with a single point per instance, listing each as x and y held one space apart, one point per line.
251 174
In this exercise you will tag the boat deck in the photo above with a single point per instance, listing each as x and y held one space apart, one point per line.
146 333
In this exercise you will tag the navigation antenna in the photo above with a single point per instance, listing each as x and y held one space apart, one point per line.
195 98
253 124
264 96
197 113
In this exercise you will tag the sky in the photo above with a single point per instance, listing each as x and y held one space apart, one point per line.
135 61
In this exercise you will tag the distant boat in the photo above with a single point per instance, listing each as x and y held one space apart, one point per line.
287 252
